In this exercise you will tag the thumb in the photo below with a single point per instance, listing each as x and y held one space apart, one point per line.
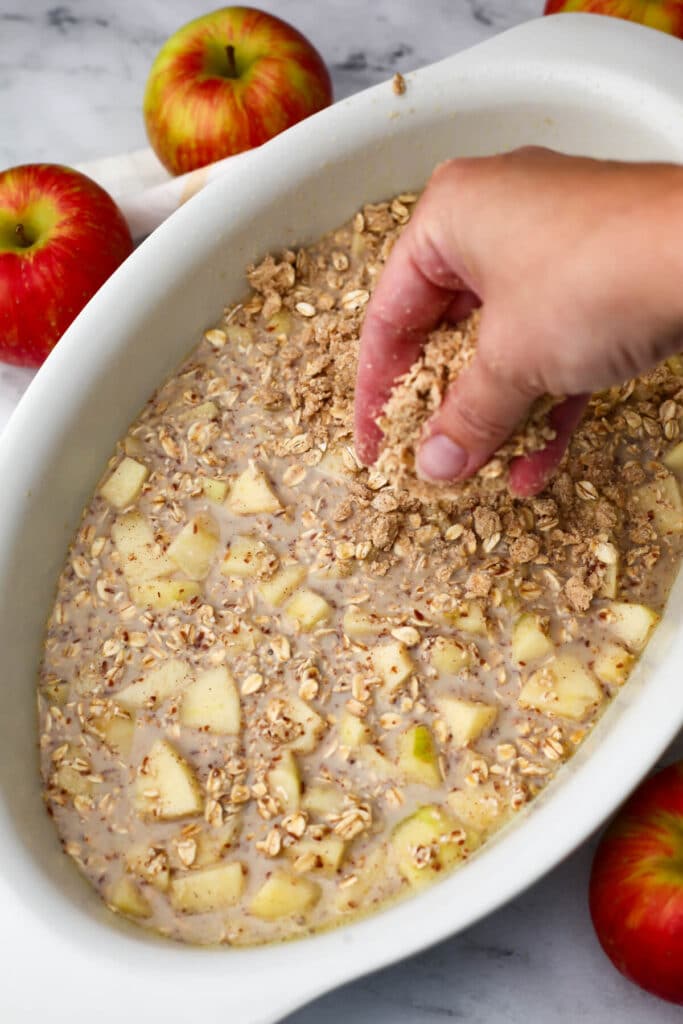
479 412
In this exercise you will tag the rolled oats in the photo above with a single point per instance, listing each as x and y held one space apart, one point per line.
362 660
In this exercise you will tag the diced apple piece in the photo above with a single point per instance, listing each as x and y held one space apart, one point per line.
238 335
282 585
328 852
469 618
631 623
673 459
213 844
322 800
393 664
361 626
56 691
562 687
125 896
204 411
311 723
246 557
675 364
283 895
479 808
68 778
466 719
131 532
212 703
125 483
194 548
613 664
472 620
352 730
530 642
375 762
427 843
118 729
167 680
373 871
308 609
150 865
418 758
448 655
133 446
245 637
284 782
662 500
251 494
166 786
279 323
214 490
141 557
199 892
162 594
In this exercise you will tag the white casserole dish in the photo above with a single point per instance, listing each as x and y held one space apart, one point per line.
578 83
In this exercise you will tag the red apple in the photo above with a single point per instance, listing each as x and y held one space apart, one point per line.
666 15
61 236
227 82
636 888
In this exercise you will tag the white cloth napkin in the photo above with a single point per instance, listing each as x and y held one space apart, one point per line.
144 190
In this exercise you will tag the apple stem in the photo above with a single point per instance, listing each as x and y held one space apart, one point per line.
232 63
22 237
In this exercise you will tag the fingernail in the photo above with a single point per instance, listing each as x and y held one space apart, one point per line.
439 458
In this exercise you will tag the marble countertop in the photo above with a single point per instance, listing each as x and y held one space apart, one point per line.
71 82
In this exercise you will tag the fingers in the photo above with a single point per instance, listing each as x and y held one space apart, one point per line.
420 283
528 476
453 254
388 349
479 412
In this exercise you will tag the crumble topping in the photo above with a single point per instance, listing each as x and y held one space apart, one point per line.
398 84
418 394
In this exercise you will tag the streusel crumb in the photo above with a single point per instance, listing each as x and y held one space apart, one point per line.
417 396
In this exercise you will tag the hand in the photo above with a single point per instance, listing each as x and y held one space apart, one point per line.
579 267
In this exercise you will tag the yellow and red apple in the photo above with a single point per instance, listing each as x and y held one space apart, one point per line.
61 236
227 82
666 15
636 889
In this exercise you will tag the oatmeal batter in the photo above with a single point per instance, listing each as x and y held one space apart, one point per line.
279 690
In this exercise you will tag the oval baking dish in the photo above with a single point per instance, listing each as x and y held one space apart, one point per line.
577 83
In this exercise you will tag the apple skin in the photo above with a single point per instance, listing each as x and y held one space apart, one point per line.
666 15
196 114
78 238
636 887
